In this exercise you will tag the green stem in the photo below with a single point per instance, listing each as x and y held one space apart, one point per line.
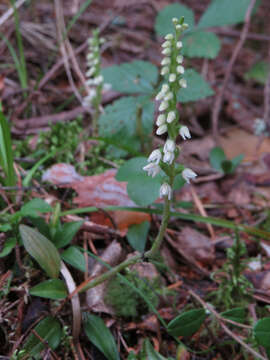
101 278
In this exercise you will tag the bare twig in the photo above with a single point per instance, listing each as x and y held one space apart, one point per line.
10 11
219 97
266 113
225 328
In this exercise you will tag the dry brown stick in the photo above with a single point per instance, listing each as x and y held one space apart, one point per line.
225 328
266 113
235 33
219 98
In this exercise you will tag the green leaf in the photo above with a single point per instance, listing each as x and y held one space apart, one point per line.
8 247
6 152
201 44
137 235
238 314
50 331
258 72
197 88
41 249
98 333
262 332
35 206
119 120
141 188
164 25
224 12
74 257
188 323
66 233
226 166
236 161
149 353
134 77
217 156
50 289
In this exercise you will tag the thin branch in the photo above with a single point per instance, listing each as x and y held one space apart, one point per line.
266 113
10 11
219 98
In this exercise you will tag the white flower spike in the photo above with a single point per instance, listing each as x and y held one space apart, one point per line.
155 156
165 190
152 169
188 175
184 132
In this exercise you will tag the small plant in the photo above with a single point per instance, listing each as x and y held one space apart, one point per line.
233 288
219 161
95 81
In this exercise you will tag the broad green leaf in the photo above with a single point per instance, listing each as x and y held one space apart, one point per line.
226 166
201 44
5 227
50 331
35 206
258 72
261 332
74 257
66 233
98 333
8 247
130 78
141 188
41 249
164 25
120 122
236 161
197 88
149 353
217 156
237 314
224 12
188 323
50 289
137 235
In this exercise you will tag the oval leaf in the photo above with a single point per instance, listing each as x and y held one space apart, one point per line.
137 235
188 323
51 289
262 332
41 249
238 314
98 333
49 330
74 257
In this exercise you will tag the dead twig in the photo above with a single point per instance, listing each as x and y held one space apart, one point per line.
10 11
219 98
266 113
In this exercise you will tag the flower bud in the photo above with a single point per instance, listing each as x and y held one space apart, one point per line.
163 106
171 116
166 44
179 44
169 146
161 119
164 70
161 129
165 190
184 132
155 156
172 77
179 59
169 37
166 61
188 175
168 157
166 51
183 83
180 69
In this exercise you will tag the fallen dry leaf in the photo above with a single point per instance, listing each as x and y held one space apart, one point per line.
100 191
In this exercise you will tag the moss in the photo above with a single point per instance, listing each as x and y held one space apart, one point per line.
128 303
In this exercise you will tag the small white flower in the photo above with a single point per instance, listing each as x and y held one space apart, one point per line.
155 156
179 44
163 106
172 77
165 190
152 169
161 129
184 26
161 119
178 27
180 69
98 80
166 44
89 82
166 51
166 61
183 83
184 132
175 20
179 59
165 70
160 96
169 37
90 72
165 88
90 56
169 146
107 87
188 174
168 157
171 116
168 96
